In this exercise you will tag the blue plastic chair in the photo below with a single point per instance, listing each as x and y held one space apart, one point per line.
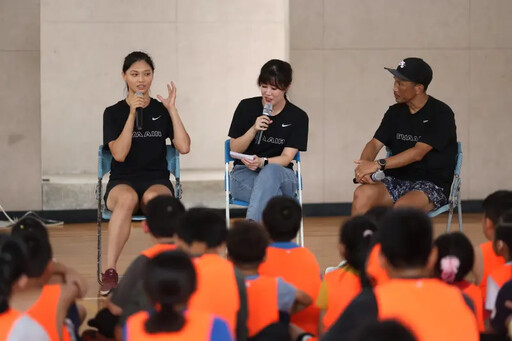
231 201
104 166
454 200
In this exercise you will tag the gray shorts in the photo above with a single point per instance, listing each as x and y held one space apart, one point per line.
398 188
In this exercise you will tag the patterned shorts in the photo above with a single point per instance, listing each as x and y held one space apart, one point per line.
398 188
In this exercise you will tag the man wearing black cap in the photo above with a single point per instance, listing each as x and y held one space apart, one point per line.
421 134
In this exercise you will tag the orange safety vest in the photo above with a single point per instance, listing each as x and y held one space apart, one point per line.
217 290
262 303
297 266
44 311
342 287
198 326
7 320
502 274
474 293
430 308
373 268
491 262
156 249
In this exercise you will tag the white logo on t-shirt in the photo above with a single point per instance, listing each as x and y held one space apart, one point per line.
285 125
156 118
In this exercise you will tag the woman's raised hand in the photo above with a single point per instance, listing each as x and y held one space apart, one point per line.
170 101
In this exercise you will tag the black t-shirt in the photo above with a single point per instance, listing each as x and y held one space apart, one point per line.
434 124
147 156
362 310
288 129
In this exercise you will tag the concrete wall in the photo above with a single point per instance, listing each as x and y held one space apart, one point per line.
339 49
212 50
20 115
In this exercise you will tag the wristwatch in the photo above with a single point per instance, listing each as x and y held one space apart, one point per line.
382 163
265 161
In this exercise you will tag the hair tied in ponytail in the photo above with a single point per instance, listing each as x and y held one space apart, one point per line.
367 233
449 267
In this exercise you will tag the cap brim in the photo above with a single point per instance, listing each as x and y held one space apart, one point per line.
397 74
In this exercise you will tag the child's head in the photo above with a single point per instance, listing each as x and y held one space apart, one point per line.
34 235
494 206
202 229
377 213
163 214
455 257
247 244
170 280
281 218
13 264
503 236
406 239
355 236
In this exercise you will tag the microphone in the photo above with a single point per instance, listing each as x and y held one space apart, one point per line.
377 176
267 110
138 114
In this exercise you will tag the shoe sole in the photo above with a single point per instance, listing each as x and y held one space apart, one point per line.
105 292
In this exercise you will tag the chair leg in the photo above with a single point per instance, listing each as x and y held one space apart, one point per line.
450 216
98 223
459 212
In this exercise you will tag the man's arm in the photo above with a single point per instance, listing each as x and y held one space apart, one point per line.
408 156
371 150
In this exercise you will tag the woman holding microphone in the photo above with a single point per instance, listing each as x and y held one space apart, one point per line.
139 166
272 140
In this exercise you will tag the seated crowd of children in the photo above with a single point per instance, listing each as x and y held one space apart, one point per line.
201 281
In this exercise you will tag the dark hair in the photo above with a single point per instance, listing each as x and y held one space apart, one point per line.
277 73
203 225
457 245
33 233
405 235
281 218
356 235
387 330
503 230
247 243
137 56
163 215
377 213
496 204
170 279
13 264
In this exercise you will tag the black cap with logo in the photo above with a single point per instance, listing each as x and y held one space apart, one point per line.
413 70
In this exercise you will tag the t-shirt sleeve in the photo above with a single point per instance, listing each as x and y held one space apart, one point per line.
130 291
111 127
220 331
384 131
241 315
299 137
240 124
285 295
361 310
438 131
492 293
323 296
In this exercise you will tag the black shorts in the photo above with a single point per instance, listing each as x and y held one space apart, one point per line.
397 188
139 186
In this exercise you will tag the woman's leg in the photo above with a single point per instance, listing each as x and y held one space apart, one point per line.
272 180
152 192
242 182
122 200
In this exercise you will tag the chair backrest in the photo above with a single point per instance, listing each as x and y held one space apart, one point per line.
228 158
105 161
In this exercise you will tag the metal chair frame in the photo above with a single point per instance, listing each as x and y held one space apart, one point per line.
230 201
104 166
